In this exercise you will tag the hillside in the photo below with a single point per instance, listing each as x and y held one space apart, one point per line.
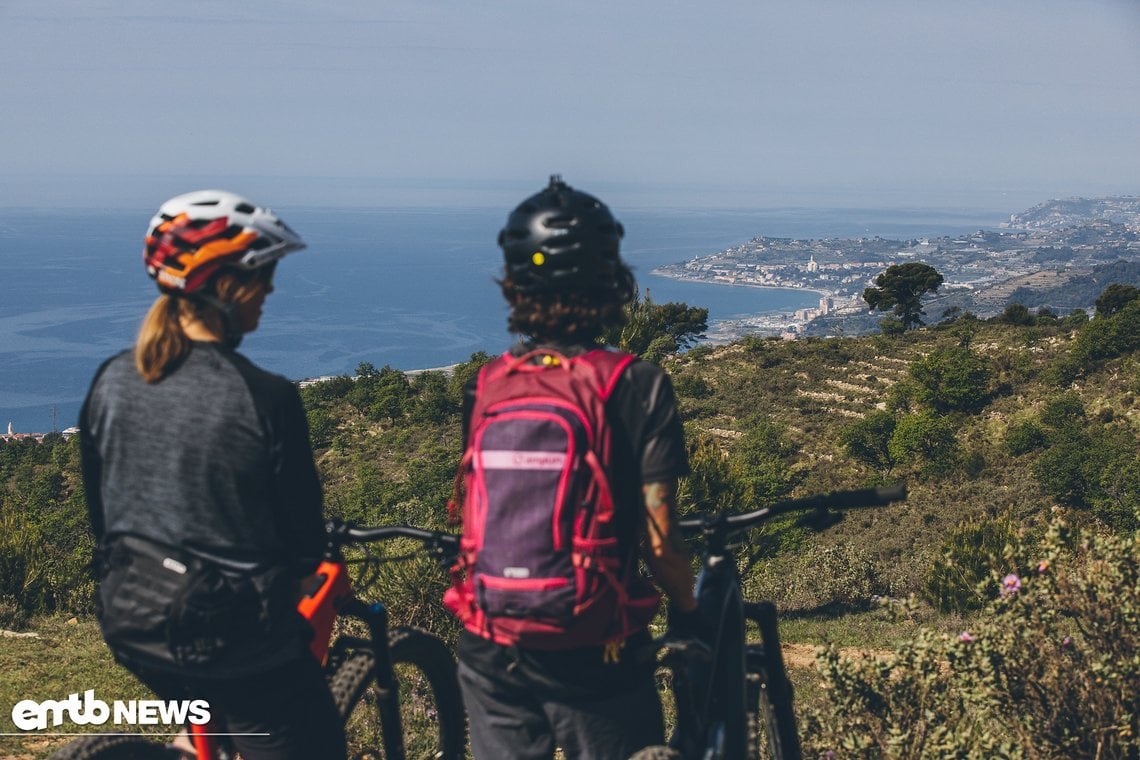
1069 212
995 427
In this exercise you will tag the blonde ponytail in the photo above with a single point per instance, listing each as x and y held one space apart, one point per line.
161 343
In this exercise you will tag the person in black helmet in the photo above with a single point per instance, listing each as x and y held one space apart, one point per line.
566 284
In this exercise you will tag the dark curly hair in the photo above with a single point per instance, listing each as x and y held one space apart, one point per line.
566 317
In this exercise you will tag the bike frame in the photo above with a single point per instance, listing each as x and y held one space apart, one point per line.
329 596
713 697
719 689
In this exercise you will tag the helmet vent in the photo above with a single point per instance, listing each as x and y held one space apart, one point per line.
209 202
561 222
245 208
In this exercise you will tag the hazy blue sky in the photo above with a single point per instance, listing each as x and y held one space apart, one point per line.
647 102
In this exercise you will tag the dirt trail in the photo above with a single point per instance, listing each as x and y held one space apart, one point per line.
803 655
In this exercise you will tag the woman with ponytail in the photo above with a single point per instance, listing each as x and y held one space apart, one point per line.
202 491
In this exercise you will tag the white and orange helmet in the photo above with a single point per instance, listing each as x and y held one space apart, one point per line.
194 235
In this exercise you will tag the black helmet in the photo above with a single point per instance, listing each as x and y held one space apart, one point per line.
562 239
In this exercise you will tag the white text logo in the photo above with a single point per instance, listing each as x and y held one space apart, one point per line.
29 715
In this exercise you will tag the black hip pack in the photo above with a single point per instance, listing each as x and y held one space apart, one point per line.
166 608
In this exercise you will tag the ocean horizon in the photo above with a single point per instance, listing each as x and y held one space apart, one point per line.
412 288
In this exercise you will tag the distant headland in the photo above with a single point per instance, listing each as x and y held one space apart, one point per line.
1059 254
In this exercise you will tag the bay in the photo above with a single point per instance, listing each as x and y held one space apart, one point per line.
411 288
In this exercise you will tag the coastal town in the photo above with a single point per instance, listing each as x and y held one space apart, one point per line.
1040 258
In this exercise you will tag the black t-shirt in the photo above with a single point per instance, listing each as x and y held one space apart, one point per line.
648 446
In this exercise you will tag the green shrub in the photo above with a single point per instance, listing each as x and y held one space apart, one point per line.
1100 339
1069 469
868 440
711 485
892 326
925 440
322 426
691 385
1092 466
969 557
820 577
1063 411
759 463
1024 437
954 378
1051 670
1114 298
45 540
1016 314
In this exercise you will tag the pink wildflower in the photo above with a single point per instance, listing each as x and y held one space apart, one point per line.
965 637
1010 585
1042 567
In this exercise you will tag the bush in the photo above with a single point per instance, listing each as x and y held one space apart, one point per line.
1114 298
711 485
822 577
1099 340
691 385
1016 314
969 557
1063 411
1024 437
952 379
925 440
45 540
759 463
892 326
868 440
1091 466
1052 670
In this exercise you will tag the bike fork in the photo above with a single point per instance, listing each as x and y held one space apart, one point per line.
768 663
388 692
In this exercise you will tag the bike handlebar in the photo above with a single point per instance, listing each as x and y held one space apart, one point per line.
444 544
863 497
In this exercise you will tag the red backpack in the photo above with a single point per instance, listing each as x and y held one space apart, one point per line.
540 563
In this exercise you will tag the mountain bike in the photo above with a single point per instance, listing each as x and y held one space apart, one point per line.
732 695
396 688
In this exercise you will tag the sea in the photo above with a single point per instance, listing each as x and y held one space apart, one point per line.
413 288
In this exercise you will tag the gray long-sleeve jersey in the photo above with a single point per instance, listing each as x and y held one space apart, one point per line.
214 458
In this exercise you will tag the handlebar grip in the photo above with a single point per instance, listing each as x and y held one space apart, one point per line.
866 497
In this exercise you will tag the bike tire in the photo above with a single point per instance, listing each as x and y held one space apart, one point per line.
656 753
431 713
769 735
115 747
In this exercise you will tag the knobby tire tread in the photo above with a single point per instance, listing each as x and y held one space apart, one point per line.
766 737
428 654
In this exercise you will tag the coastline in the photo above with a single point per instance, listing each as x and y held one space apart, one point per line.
792 288
784 322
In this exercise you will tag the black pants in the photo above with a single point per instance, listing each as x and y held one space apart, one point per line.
290 705
522 704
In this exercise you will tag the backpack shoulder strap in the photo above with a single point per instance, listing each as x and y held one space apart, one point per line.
609 365
491 370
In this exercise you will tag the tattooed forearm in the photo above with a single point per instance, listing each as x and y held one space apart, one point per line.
659 500
666 554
